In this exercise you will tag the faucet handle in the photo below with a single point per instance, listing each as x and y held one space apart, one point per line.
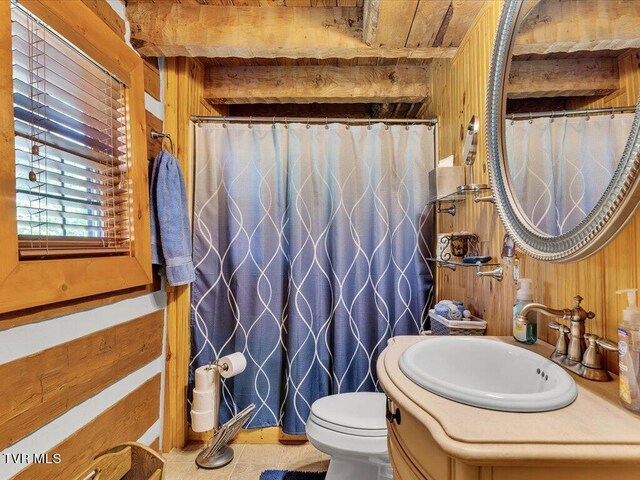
561 343
592 357
607 344
558 326
578 299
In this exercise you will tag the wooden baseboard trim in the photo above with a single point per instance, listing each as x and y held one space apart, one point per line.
266 435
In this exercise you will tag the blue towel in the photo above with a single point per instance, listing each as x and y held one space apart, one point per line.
170 232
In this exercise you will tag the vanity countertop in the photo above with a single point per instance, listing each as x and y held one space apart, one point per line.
595 428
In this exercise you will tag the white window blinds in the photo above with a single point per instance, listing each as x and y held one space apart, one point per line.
72 191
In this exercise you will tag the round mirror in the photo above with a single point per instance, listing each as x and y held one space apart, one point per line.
562 123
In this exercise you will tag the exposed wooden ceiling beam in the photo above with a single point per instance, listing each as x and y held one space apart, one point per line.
418 23
321 84
578 25
171 29
441 23
555 78
387 23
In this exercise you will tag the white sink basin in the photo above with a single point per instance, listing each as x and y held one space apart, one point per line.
487 373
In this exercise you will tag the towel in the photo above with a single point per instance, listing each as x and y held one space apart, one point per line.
170 232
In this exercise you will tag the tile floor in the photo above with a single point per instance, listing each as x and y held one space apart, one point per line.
248 463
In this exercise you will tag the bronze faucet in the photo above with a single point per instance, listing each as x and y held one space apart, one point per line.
574 354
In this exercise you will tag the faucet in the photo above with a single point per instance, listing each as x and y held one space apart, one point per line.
574 355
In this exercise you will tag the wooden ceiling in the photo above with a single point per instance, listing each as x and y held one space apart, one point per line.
350 54
331 52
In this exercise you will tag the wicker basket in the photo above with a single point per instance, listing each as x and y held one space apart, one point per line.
442 326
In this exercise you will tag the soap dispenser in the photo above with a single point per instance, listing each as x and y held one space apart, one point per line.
525 332
629 352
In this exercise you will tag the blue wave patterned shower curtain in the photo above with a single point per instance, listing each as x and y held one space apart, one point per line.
309 245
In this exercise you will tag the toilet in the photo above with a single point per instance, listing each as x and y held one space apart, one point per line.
351 428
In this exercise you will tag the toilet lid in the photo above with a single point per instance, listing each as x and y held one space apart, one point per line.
360 413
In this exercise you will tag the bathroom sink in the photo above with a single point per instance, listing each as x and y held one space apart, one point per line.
489 374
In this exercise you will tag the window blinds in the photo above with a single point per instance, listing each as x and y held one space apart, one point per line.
72 191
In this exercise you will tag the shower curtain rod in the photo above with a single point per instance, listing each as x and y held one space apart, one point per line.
564 113
315 120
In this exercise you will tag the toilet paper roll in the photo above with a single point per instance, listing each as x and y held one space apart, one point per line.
204 377
201 421
202 400
232 365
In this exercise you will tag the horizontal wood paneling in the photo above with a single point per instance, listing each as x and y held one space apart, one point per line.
154 146
38 388
126 421
152 77
155 444
44 312
459 90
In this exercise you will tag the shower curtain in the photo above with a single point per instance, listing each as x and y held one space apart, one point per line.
309 246
561 167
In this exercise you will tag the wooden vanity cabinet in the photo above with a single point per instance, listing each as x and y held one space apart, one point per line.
436 439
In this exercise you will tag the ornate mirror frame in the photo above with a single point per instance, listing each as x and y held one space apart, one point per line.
614 210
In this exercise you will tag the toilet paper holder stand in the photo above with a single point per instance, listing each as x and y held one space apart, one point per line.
218 453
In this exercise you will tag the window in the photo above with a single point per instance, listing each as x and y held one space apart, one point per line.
74 216
70 147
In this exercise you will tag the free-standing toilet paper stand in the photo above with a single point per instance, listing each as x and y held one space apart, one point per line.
218 453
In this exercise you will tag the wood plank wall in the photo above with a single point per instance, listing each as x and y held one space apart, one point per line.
108 376
459 89
184 89
40 387
126 421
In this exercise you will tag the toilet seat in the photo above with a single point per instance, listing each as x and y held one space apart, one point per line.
359 413
351 428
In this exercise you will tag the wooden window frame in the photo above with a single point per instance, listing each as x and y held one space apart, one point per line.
32 283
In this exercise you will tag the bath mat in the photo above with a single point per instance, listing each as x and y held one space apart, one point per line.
289 475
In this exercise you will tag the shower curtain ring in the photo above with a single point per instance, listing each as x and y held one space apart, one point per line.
348 124
286 125
386 125
553 114
369 127
250 120
613 115
274 123
326 123
224 122
530 118
308 126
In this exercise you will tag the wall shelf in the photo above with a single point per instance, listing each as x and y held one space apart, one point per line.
479 195
453 265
